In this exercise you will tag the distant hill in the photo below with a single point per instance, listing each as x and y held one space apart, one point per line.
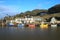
42 12
53 12
54 9
31 13
47 16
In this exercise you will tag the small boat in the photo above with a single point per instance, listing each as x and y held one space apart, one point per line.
32 26
10 24
44 25
37 25
53 25
21 25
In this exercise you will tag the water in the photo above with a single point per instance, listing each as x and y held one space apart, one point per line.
14 33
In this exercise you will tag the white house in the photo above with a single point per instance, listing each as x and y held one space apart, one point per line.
39 19
24 20
29 20
19 20
53 20
11 21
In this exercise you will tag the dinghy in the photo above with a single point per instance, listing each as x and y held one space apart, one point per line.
21 25
32 26
43 25
10 24
53 25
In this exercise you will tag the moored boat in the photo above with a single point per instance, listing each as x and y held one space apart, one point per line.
21 25
44 25
10 24
53 25
32 26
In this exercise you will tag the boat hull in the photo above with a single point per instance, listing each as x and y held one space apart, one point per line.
44 26
54 25
21 25
31 26
10 25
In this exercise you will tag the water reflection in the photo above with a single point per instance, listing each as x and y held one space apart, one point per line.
15 33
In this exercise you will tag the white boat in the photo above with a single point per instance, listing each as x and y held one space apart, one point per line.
53 25
21 25
10 24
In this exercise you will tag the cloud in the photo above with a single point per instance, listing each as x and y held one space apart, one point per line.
12 9
9 9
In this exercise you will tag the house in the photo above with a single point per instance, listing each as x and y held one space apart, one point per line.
39 18
19 20
29 19
24 20
53 20
9 21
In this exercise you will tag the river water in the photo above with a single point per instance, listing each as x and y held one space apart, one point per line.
15 33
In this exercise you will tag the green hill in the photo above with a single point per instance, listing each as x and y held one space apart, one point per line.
53 11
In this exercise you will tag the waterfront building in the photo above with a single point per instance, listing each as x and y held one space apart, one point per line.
53 20
29 19
18 20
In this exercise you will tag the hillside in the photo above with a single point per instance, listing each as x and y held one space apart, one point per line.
53 11
31 13
47 16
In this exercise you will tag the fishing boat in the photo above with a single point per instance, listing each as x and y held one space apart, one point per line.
10 24
43 25
21 25
32 26
53 22
53 25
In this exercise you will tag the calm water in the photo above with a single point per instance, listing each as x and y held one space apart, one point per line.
14 33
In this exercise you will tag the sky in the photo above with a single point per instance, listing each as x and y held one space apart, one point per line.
13 7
